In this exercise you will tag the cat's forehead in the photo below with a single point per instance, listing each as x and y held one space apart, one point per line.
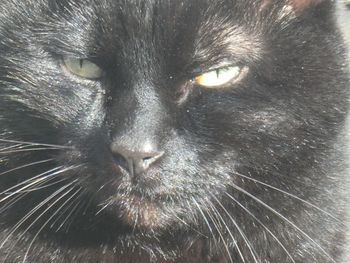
201 29
142 13
201 23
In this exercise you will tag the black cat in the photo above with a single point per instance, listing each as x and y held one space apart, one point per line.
172 131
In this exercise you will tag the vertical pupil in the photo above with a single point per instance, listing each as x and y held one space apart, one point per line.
217 73
81 62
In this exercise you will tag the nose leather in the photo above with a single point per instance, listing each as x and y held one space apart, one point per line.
135 161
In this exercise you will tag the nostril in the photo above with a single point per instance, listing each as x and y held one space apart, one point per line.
142 161
135 162
121 161
147 158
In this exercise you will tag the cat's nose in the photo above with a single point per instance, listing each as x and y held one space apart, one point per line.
136 161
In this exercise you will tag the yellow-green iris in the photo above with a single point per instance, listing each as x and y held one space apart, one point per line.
82 68
218 77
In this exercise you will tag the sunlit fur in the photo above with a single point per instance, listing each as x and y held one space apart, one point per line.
252 172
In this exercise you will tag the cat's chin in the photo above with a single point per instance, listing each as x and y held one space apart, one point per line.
141 213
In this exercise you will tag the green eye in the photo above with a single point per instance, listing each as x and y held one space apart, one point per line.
82 68
218 77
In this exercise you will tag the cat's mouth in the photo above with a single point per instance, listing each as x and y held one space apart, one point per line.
141 203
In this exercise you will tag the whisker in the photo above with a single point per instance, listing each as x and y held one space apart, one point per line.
11 147
52 216
282 217
288 194
25 166
38 179
33 211
203 215
74 214
30 150
190 227
36 186
216 225
104 207
88 204
19 147
30 182
11 203
71 212
251 249
22 194
262 224
36 144
41 186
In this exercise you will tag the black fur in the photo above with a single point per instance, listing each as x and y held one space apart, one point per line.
251 172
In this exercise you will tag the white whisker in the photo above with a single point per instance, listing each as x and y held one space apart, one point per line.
288 194
262 224
74 214
48 220
11 203
25 166
36 144
20 195
216 225
104 207
33 211
28 183
71 212
203 215
11 147
284 218
251 249
41 186
30 150
190 227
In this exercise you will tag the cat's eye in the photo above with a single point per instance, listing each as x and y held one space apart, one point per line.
219 77
82 68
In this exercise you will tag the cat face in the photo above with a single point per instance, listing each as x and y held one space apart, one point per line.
163 113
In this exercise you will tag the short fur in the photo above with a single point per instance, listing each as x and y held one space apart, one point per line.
251 172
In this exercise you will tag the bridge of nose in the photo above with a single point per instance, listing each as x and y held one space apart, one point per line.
139 129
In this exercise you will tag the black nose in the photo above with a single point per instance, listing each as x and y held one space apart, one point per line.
136 161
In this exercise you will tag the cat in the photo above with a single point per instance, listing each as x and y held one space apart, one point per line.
172 131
